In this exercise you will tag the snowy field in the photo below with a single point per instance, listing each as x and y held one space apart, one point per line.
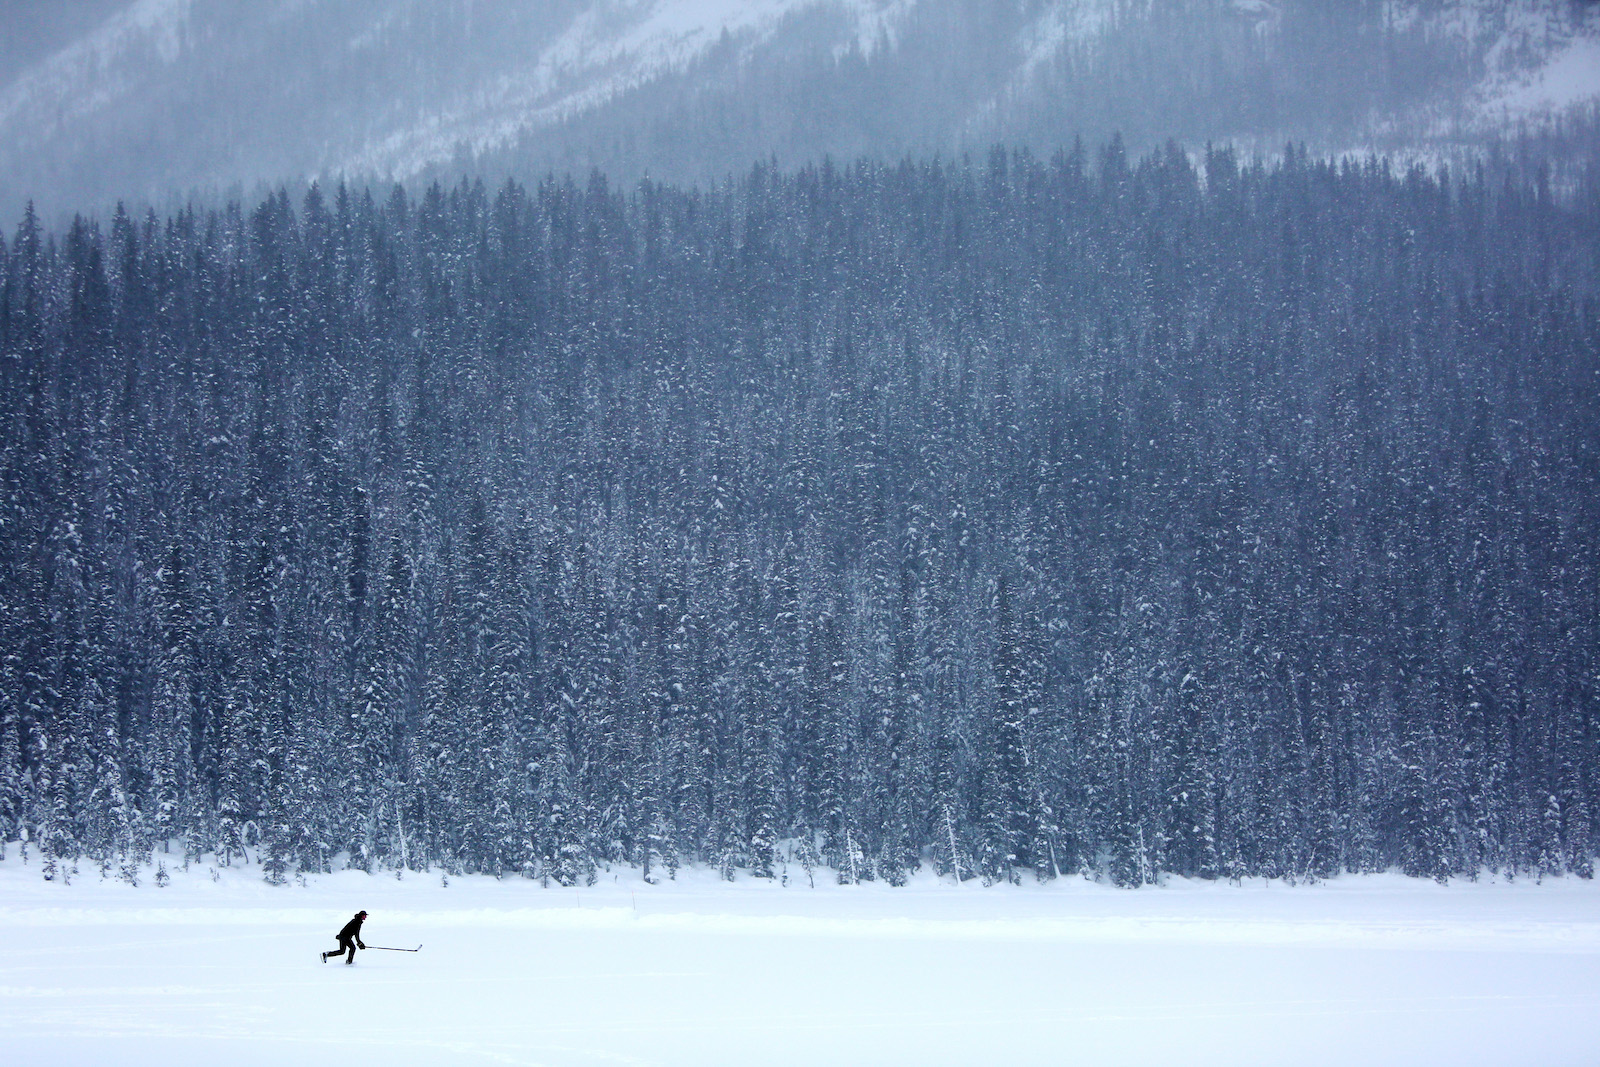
1359 971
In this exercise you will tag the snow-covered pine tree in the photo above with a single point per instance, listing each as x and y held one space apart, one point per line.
1008 818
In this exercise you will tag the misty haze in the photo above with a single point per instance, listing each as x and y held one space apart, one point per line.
731 531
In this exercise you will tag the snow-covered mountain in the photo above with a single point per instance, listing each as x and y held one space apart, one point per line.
170 95
173 93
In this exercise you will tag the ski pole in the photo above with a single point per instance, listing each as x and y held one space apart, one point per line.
384 948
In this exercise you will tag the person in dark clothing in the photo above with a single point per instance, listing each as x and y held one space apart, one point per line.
349 939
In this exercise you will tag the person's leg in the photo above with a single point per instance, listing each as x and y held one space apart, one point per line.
351 946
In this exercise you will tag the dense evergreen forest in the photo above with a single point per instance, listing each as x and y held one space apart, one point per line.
1017 517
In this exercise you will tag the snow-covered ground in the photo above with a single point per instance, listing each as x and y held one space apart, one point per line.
1358 971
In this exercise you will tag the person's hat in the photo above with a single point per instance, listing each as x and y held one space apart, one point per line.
362 914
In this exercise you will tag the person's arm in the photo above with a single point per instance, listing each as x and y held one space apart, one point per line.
360 942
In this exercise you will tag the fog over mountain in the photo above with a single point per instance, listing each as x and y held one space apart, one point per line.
146 99
858 438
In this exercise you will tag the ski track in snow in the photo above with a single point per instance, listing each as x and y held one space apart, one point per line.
698 971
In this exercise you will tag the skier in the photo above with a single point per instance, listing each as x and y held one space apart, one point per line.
349 940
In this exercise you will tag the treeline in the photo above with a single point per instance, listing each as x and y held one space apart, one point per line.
1126 517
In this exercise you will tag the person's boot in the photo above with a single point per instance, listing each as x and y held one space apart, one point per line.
351 962
324 957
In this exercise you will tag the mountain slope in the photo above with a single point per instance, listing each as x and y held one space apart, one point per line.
170 95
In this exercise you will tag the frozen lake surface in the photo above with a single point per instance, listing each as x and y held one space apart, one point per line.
1357 971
